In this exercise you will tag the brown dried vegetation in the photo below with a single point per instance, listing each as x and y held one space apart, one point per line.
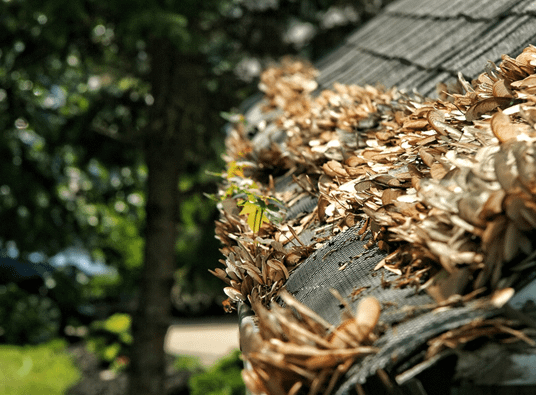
447 187
292 350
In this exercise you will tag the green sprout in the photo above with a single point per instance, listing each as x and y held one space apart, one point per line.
254 206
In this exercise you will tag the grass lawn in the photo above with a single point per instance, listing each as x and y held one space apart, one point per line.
44 369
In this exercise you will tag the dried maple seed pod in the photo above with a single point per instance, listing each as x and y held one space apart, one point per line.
367 316
234 294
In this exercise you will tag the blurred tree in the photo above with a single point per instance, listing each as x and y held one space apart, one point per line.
110 115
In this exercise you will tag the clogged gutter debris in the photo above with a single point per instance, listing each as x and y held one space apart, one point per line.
446 187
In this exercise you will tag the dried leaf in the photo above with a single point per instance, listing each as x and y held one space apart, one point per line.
527 85
367 315
354 161
438 171
230 207
469 208
390 195
485 106
364 185
493 205
501 296
221 274
427 140
253 381
334 169
437 121
502 128
444 284
426 157
415 124
454 201
233 294
520 211
329 358
502 89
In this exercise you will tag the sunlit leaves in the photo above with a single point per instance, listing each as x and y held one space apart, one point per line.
118 323
255 215
235 170
255 206
255 212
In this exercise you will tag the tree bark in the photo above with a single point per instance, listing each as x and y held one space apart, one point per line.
153 315
164 152
170 139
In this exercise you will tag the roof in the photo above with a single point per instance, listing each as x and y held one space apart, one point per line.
414 45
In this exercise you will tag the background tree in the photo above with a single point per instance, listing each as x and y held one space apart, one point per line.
110 117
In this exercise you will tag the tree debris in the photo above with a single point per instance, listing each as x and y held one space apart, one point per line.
447 187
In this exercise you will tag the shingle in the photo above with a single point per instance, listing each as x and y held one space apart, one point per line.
488 9
431 8
509 36
386 73
403 5
382 30
512 45
426 47
399 73
354 61
455 36
339 60
409 83
439 9
332 57
395 40
428 86
475 9
526 6
416 53
369 69
361 71
425 42
360 67
367 30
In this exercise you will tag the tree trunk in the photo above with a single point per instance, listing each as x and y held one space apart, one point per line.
153 315
172 135
164 148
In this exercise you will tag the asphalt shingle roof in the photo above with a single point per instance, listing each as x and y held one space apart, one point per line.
416 44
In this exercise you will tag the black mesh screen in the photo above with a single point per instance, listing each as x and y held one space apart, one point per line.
312 281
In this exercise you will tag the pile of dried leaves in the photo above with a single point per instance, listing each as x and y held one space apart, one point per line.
447 187
292 349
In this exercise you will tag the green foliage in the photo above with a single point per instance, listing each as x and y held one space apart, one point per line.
45 369
118 324
101 285
64 93
224 378
26 318
77 96
75 99
187 363
254 206
110 340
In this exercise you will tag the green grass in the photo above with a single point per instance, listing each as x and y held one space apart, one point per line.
186 362
45 369
223 378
